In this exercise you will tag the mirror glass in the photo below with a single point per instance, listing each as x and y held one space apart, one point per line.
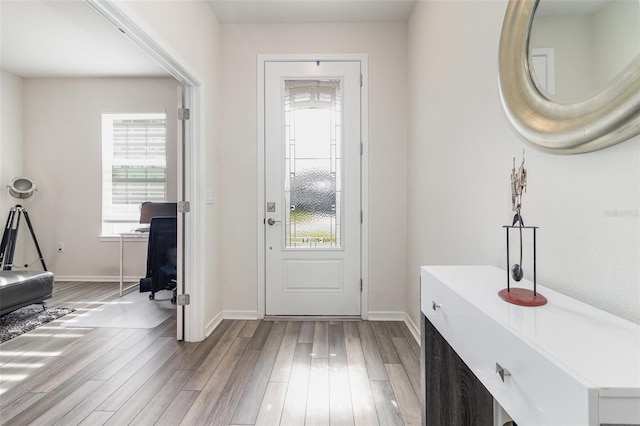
578 48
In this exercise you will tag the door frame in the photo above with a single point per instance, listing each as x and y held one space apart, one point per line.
193 266
364 168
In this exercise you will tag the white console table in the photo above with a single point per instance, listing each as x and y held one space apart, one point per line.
564 363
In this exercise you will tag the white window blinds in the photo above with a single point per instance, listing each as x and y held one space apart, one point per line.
134 166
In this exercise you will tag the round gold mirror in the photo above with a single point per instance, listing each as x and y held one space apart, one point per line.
541 101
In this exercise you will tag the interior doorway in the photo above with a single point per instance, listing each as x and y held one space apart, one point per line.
190 324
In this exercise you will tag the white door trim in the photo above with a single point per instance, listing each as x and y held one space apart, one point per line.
364 202
194 326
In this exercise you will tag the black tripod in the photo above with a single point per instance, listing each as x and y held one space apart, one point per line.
8 245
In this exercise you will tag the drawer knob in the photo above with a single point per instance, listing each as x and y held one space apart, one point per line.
502 371
435 305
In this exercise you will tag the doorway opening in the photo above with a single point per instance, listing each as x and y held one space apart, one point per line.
190 318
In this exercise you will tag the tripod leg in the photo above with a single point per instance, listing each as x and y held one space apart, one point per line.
6 236
11 248
35 240
12 235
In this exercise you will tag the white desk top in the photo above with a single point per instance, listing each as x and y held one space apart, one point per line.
134 234
598 347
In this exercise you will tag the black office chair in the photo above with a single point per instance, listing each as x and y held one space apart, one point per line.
161 257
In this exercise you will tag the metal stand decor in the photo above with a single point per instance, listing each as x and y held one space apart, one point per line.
517 295
10 235
20 189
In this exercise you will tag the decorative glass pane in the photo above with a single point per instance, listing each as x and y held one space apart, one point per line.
313 168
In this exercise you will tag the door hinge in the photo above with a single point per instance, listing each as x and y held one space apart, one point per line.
184 207
361 216
183 299
361 148
184 114
361 80
361 285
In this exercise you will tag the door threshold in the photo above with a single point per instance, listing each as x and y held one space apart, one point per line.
312 318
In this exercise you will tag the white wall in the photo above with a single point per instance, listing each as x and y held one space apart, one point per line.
63 155
460 156
385 45
11 135
11 142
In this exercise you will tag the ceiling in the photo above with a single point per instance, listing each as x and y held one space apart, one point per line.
67 38
311 11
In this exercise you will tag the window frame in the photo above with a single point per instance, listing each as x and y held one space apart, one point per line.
118 218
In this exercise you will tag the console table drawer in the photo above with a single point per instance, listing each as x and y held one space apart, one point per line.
535 390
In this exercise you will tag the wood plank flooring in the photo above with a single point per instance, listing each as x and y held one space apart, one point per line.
268 373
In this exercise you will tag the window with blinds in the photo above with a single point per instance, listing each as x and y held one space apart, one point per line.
134 167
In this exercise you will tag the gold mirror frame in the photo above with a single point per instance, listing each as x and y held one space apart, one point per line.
610 117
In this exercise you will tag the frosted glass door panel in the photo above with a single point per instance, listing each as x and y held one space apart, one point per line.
313 164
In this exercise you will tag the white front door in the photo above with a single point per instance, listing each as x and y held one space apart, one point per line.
312 188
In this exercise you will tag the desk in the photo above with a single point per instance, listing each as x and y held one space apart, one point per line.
131 236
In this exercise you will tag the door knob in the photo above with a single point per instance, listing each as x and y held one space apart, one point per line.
271 221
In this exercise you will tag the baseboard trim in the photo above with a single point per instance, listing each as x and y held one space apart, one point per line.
415 331
97 279
386 316
240 315
229 315
311 318
212 325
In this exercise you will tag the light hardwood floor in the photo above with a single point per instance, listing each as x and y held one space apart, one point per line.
245 373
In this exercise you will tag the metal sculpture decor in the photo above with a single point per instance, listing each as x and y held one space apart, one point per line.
516 295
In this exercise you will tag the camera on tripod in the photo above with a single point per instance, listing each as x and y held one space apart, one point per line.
20 189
